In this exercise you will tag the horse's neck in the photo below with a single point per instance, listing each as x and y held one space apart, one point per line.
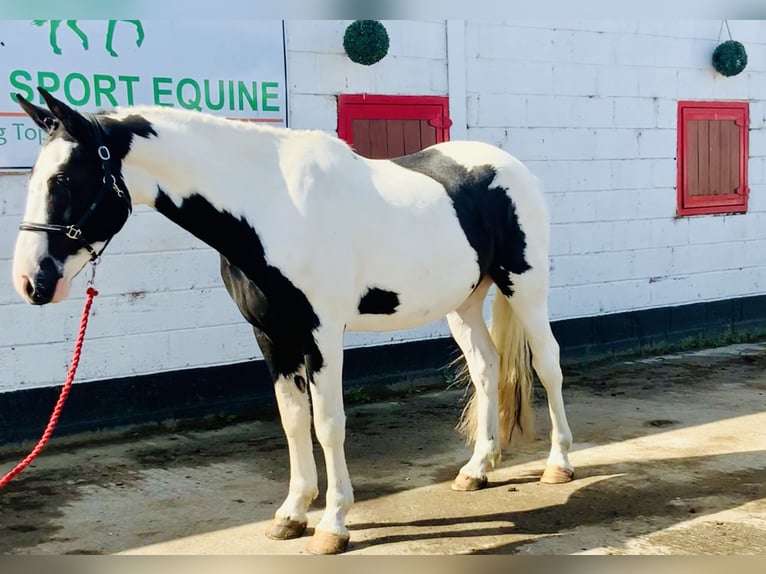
212 178
198 155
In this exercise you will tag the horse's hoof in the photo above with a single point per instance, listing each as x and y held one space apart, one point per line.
285 529
465 483
556 475
323 542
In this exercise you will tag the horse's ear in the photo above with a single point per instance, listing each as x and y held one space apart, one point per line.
40 116
73 121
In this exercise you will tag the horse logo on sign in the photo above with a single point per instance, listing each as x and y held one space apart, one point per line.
72 24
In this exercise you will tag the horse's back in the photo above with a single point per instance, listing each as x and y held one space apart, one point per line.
474 159
511 173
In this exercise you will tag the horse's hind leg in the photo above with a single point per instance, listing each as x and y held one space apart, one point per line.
472 336
139 31
529 303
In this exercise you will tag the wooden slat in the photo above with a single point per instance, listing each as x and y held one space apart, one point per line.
411 136
361 137
730 133
703 157
692 158
378 139
724 175
395 133
427 134
715 158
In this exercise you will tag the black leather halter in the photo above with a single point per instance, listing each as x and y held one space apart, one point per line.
110 184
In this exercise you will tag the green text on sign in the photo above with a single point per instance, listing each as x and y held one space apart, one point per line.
189 93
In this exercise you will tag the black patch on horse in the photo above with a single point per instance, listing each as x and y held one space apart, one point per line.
486 214
72 190
120 133
282 317
45 281
300 382
378 302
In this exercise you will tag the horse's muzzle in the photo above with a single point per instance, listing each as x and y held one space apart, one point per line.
41 288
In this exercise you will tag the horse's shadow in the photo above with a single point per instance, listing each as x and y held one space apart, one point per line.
615 498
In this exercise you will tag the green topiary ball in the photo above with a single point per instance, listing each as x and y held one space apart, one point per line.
366 42
729 58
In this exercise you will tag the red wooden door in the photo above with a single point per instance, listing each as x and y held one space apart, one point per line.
380 127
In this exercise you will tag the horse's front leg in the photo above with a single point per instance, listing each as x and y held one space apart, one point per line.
331 535
293 402
286 362
110 38
80 34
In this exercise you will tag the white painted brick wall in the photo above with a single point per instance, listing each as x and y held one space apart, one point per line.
589 105
617 80
603 141
318 70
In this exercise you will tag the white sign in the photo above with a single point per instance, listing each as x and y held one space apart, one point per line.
230 68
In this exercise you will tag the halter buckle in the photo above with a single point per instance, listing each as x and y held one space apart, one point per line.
73 232
115 187
93 264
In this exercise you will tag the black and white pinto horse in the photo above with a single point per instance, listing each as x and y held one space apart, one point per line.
314 240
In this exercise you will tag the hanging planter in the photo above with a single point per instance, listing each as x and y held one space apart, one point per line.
729 57
366 42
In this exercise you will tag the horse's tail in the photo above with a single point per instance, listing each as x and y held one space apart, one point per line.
515 381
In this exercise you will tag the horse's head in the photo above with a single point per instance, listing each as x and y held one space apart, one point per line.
77 201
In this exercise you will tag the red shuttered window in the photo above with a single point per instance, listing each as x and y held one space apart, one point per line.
380 127
712 157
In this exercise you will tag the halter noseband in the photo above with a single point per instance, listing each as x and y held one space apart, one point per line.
74 231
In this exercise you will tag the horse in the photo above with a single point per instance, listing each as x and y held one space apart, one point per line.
314 240
72 24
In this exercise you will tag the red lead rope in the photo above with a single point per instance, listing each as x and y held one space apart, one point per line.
91 293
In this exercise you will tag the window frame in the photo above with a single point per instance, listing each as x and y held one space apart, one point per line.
739 112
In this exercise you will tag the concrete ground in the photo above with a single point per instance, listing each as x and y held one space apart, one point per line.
670 455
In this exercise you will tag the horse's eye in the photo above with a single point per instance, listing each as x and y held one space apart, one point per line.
59 182
59 188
